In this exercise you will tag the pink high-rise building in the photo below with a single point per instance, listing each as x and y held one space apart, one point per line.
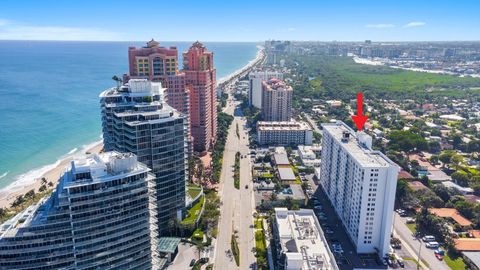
200 80
160 64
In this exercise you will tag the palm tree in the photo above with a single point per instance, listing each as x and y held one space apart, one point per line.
200 248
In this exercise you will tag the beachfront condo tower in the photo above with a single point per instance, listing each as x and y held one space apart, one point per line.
200 79
190 90
360 183
160 64
135 119
98 217
276 100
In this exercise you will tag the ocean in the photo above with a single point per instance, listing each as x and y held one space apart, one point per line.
49 105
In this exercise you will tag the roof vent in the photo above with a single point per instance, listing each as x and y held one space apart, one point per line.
345 136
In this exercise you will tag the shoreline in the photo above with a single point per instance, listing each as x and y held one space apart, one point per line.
52 172
250 64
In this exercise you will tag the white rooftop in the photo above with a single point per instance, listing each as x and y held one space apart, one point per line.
357 145
103 166
286 174
283 125
302 240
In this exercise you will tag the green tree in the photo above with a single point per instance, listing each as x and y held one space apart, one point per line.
460 178
445 156
407 141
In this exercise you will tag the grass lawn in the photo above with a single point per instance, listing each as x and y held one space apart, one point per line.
260 241
197 234
259 223
266 175
455 264
193 190
235 250
194 212
412 227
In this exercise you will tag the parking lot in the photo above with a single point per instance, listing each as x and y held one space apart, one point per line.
339 241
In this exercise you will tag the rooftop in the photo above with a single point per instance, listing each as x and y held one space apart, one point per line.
135 88
101 167
276 84
450 213
286 174
168 244
357 145
281 159
464 190
283 125
467 244
302 240
473 256
416 185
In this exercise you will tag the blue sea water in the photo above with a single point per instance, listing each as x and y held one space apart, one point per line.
49 103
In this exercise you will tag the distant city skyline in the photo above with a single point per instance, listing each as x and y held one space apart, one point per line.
409 20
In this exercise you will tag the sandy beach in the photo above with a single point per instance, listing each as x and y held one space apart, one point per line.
259 56
8 194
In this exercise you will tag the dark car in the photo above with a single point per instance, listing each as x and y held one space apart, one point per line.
246 186
192 262
401 263
203 260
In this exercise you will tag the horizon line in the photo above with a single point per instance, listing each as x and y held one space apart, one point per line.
235 41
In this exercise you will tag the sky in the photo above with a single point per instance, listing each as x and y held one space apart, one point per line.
246 20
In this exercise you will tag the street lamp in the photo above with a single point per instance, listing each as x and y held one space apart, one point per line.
419 248
418 257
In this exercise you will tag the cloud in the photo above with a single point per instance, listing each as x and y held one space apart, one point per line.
414 24
380 25
15 31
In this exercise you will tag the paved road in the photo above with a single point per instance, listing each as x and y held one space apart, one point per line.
413 245
313 123
236 212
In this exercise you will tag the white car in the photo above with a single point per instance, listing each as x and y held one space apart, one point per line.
428 238
432 245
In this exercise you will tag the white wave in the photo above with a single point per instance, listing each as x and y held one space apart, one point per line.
4 174
72 151
252 62
31 176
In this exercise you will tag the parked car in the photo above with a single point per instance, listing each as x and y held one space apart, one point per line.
401 263
410 220
203 260
439 257
428 238
440 251
192 262
432 245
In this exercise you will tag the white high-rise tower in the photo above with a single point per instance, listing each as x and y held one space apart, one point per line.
361 184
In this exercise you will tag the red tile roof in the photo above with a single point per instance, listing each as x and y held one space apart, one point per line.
467 244
451 213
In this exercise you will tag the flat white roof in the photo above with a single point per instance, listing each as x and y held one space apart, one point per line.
301 239
365 156
286 173
283 125
281 159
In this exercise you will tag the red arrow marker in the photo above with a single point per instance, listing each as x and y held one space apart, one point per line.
359 119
